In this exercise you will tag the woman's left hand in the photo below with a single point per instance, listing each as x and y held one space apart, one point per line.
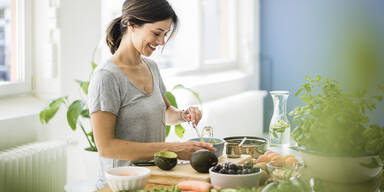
193 115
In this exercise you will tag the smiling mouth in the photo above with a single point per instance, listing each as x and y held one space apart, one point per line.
152 47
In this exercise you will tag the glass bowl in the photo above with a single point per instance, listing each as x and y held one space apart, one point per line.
280 171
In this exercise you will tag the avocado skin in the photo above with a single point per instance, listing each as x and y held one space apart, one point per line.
165 163
201 160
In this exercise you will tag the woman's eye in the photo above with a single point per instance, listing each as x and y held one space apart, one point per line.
156 34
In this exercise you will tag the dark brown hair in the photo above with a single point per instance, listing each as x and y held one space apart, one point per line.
139 12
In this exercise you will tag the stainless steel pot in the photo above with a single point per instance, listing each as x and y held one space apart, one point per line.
254 146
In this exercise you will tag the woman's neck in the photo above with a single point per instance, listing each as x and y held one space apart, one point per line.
127 54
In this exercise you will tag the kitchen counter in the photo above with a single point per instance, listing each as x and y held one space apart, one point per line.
165 179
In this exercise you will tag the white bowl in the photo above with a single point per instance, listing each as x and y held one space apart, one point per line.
341 169
234 181
127 178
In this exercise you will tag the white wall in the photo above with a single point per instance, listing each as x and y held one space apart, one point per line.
78 34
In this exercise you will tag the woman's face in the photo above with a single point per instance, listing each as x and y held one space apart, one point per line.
148 37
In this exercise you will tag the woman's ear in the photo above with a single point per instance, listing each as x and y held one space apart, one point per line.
131 26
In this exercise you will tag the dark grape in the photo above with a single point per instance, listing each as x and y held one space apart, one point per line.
233 166
231 171
216 168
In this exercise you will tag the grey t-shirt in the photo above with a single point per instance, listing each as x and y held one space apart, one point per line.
140 117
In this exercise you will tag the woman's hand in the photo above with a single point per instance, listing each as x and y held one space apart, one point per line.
193 115
185 150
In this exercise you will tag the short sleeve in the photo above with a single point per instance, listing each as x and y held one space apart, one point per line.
103 93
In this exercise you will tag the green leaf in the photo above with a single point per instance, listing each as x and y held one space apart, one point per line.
84 86
58 101
179 130
85 113
47 114
318 78
167 129
94 65
307 77
90 134
299 91
307 87
178 86
73 113
50 111
171 98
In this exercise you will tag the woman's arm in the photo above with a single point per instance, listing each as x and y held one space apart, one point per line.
114 148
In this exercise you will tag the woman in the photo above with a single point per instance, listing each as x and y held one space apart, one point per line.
127 96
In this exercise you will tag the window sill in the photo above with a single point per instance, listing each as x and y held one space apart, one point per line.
19 106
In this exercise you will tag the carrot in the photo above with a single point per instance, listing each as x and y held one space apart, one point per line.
194 186
263 158
268 152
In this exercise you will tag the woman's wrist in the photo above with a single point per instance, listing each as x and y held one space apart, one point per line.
181 116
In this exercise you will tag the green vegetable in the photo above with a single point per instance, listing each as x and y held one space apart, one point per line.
165 160
201 160
334 122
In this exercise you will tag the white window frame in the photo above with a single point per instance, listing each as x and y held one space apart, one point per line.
24 51
242 43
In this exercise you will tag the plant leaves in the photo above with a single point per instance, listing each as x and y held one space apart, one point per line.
167 129
84 86
73 113
90 134
178 86
94 65
50 111
299 91
171 98
85 113
179 130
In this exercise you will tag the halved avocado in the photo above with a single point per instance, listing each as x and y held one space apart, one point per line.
201 160
165 160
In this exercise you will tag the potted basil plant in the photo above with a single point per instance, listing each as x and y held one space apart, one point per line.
336 140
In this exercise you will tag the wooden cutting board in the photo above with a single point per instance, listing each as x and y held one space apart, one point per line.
186 172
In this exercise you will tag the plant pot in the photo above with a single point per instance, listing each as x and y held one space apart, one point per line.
342 169
91 165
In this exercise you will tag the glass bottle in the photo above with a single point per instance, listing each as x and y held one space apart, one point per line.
279 128
207 132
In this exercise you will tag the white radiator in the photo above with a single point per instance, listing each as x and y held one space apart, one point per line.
36 167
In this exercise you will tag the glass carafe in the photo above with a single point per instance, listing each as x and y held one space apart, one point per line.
279 128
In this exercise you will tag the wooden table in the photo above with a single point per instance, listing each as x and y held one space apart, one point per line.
166 179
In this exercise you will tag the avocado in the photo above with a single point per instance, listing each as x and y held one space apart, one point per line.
165 160
201 160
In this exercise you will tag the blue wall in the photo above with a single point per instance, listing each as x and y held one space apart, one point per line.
340 39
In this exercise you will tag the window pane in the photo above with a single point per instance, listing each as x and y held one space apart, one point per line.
8 65
180 52
219 28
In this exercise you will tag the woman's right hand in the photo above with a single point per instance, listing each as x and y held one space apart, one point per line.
185 150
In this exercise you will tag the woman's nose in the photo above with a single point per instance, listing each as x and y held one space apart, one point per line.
161 40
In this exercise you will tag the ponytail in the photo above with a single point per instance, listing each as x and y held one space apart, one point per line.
115 32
